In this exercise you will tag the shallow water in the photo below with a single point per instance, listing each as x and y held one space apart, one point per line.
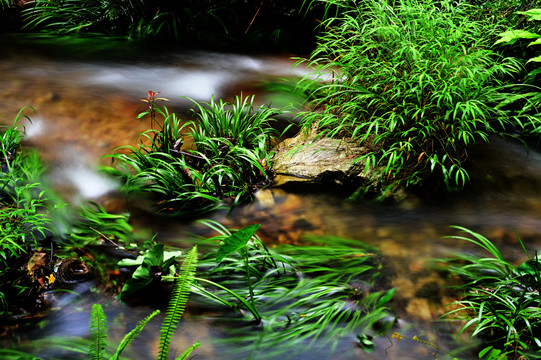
85 108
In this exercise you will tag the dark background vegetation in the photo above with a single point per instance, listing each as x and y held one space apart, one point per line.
233 25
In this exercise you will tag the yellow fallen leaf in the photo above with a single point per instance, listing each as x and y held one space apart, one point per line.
397 336
50 279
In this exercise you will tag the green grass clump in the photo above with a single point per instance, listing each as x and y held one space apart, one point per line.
501 303
298 296
24 222
227 161
413 80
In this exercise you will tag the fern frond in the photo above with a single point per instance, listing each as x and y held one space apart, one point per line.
98 332
132 334
188 351
177 303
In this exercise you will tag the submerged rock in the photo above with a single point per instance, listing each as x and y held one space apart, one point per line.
308 161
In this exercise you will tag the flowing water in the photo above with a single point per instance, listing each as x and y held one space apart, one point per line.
86 105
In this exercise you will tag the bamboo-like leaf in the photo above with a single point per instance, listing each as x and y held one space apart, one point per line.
236 241
133 334
98 332
177 303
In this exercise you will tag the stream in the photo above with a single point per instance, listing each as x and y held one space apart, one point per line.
86 105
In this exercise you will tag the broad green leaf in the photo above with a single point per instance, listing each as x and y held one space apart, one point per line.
142 275
509 37
534 14
154 257
530 267
236 241
139 260
484 351
388 296
131 262
169 261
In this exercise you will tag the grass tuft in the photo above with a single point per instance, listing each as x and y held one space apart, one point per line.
227 162
415 80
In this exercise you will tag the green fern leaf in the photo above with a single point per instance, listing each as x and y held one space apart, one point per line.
133 334
188 351
98 332
177 303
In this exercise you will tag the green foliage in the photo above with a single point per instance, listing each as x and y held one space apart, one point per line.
501 302
227 162
236 241
528 95
511 36
151 267
188 351
177 303
505 12
414 82
237 137
129 337
98 332
212 23
10 140
16 355
305 295
22 224
95 223
139 19
240 123
24 210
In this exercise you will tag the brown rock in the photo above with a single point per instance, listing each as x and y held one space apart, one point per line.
308 160
419 308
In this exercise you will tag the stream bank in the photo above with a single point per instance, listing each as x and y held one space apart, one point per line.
86 108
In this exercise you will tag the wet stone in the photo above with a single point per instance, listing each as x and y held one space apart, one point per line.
309 161
419 308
